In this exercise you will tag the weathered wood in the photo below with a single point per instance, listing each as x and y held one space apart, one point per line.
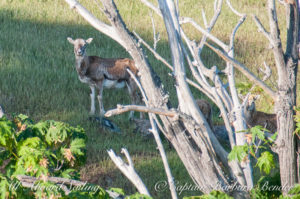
286 64
160 146
128 170
29 182
122 109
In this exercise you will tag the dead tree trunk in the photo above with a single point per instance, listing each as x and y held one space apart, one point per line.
287 66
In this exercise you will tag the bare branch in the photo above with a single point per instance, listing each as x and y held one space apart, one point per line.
126 153
29 179
233 10
184 20
156 55
154 8
156 36
128 170
122 109
267 72
276 41
244 70
204 19
160 58
262 29
241 21
99 25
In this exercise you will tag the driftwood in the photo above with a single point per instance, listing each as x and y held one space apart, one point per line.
29 182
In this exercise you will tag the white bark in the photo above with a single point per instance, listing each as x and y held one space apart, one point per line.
1 112
128 170
160 146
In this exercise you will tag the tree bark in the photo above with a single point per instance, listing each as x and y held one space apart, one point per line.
287 65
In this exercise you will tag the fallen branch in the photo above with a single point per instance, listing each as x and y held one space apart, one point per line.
122 109
29 182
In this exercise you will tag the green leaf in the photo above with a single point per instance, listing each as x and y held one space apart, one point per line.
6 133
138 196
28 145
67 173
212 195
238 153
257 131
76 146
41 128
4 188
295 190
273 137
54 134
117 190
265 162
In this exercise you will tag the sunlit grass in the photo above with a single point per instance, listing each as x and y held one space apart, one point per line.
37 75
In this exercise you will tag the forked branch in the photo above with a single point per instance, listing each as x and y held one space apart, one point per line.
128 170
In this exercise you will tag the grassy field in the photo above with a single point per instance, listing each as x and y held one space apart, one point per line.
38 78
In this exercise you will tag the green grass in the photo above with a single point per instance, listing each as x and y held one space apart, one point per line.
38 78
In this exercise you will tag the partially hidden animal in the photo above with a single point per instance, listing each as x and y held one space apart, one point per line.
254 117
100 73
206 110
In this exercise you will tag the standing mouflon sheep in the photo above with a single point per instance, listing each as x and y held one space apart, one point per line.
102 73
254 117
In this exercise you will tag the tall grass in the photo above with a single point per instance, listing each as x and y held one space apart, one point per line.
38 78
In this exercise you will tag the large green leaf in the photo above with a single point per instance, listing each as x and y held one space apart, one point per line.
238 153
266 162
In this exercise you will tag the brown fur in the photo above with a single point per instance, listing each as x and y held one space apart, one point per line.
254 117
205 108
103 68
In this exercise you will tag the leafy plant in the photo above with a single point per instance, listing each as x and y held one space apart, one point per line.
40 150
256 142
211 195
267 187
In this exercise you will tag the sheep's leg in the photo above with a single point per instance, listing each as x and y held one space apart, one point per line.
131 93
100 87
92 95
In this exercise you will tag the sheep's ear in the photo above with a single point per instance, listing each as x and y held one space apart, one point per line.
89 40
70 40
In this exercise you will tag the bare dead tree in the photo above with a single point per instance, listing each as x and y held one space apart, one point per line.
186 128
